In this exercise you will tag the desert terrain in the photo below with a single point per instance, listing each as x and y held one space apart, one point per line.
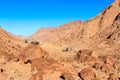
77 50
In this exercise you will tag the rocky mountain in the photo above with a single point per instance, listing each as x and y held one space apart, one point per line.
96 30
81 34
96 45
52 35
91 51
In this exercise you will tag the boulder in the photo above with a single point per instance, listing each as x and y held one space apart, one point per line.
67 76
42 64
32 52
48 69
82 54
85 56
87 74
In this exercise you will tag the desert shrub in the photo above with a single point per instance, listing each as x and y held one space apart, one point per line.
11 78
26 41
97 78
101 57
35 42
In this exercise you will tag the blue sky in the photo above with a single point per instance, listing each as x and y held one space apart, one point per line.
24 17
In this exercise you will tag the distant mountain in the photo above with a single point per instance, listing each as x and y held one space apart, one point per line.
52 35
91 33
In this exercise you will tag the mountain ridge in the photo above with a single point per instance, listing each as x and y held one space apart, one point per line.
43 33
75 51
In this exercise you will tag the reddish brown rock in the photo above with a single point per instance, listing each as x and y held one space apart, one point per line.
82 54
48 69
42 64
91 60
85 56
67 76
32 52
52 75
87 74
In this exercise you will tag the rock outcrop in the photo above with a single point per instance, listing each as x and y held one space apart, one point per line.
48 69
87 74
32 52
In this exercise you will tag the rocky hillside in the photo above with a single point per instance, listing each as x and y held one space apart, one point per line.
80 34
96 45
97 30
91 51
9 46
53 35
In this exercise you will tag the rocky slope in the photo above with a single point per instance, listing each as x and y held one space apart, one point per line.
96 30
52 35
97 43
92 51
10 51
9 45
